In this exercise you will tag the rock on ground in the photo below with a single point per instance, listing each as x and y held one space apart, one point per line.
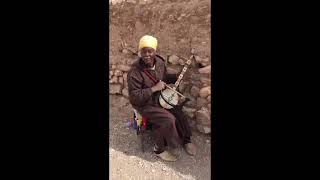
125 92
205 70
189 111
203 117
204 129
173 59
114 88
201 102
124 68
205 92
113 80
194 91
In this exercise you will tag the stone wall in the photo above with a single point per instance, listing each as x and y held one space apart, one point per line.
180 27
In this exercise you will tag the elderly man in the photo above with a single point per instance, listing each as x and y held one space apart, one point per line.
146 78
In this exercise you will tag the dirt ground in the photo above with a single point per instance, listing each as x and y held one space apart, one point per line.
127 161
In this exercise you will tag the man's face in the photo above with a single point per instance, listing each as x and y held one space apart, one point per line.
148 56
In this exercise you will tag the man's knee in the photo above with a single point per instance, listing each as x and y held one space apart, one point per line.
171 119
160 114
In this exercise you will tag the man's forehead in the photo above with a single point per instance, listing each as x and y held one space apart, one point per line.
147 49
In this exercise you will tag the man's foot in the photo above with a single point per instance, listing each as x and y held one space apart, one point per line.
176 152
167 156
190 149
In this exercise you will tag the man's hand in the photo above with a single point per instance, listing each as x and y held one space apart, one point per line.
159 86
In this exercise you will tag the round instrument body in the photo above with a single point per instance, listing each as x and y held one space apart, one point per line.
168 98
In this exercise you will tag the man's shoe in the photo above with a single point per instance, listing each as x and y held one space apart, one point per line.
167 156
190 149
176 152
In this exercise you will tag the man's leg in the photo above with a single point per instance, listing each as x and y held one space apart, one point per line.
164 128
182 125
184 130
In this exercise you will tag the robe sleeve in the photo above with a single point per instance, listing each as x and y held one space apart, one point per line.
137 95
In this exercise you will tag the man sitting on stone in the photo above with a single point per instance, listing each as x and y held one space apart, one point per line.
170 127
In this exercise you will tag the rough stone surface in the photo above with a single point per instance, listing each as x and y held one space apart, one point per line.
125 81
205 70
113 80
193 51
209 98
205 92
181 62
194 91
188 87
117 72
173 59
125 84
196 77
125 92
187 94
194 64
182 86
189 111
205 80
209 106
198 59
129 62
122 102
205 62
201 102
125 51
115 89
200 128
125 76
121 80
124 68
173 70
203 116
192 103
204 129
196 83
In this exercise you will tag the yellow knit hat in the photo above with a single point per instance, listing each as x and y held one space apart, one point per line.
148 41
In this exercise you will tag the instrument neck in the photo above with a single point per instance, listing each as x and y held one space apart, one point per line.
176 84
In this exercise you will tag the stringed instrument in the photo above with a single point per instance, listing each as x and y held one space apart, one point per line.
169 97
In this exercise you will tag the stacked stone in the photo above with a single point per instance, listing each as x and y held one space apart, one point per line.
196 85
118 79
